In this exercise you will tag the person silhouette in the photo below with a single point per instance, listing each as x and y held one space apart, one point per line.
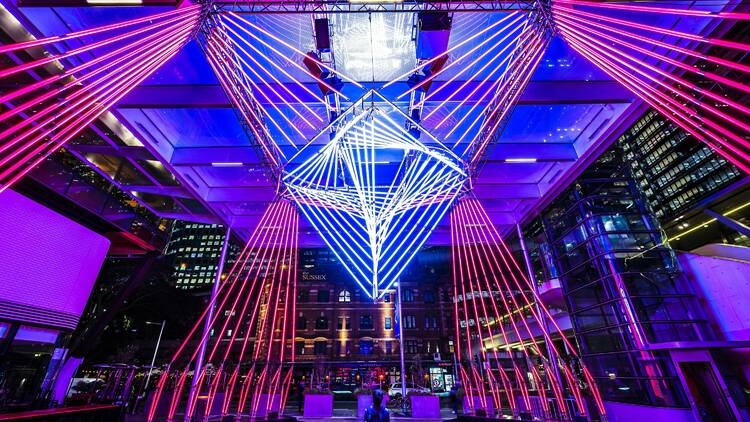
376 412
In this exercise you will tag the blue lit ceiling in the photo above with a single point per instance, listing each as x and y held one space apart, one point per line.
182 116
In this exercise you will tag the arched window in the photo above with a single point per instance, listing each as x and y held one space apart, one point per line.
345 296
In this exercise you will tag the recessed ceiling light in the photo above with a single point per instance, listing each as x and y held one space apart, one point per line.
227 164
113 2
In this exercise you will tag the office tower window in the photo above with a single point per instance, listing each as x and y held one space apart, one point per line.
321 347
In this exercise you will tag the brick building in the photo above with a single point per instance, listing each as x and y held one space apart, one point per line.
355 339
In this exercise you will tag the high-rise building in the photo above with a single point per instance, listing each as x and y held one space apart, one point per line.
673 169
195 249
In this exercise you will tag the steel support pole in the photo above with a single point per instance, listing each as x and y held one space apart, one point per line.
401 346
207 324
144 390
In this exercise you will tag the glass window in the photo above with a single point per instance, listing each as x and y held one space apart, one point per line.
321 347
429 296
345 296
343 323
365 347
321 323
407 295
388 323
324 295
365 322
410 321
301 322
303 296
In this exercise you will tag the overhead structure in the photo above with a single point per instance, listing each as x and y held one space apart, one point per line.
375 160
50 109
246 350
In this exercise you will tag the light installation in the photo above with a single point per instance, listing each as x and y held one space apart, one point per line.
374 192
245 353
499 318
49 111
687 83
374 180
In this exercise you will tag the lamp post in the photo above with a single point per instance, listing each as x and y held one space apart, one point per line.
153 361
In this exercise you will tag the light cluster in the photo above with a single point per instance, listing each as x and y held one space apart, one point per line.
374 192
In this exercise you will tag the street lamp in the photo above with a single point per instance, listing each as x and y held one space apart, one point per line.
153 361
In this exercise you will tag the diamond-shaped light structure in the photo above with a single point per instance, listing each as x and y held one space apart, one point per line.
373 190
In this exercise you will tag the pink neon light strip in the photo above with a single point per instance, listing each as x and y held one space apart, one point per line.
682 94
473 77
298 51
713 76
42 41
294 63
253 120
40 62
620 31
509 308
73 109
578 36
131 79
234 90
151 40
662 31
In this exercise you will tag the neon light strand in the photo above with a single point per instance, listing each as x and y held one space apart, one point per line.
463 56
496 288
244 103
660 10
247 88
230 18
89 89
520 282
374 192
265 274
477 34
665 91
505 98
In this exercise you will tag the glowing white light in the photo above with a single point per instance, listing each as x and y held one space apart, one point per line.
520 160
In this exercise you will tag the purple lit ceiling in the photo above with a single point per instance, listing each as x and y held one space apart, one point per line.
181 115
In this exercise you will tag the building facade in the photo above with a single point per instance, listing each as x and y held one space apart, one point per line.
195 249
356 340
642 323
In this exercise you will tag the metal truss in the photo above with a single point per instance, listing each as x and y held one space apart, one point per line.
245 107
498 114
343 6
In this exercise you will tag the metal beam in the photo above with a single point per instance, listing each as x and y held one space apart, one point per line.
729 222
138 153
356 6
92 3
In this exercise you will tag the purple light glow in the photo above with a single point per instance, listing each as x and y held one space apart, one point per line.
56 285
